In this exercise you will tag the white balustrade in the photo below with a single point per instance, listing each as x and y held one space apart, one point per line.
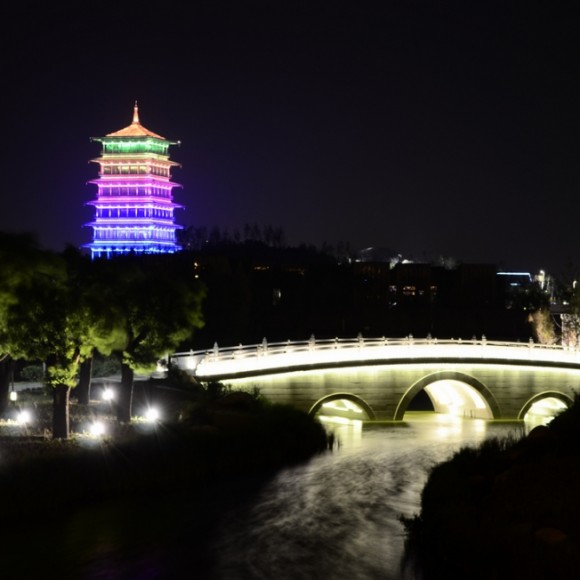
296 354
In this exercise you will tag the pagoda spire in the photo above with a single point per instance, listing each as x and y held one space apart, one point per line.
135 129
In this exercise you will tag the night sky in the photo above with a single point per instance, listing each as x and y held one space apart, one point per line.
429 128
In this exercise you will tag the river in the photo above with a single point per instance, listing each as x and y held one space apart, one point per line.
336 516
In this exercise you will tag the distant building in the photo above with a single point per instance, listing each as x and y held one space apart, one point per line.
134 204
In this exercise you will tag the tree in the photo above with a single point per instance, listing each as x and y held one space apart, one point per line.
537 301
20 261
49 321
50 311
83 386
156 301
543 326
568 295
90 281
59 308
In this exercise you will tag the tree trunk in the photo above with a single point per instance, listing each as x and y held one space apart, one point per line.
83 388
125 398
60 412
5 375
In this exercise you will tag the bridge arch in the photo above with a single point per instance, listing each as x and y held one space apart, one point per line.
438 376
355 399
563 398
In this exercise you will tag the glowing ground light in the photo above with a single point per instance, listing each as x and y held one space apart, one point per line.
108 394
24 417
97 429
134 203
152 415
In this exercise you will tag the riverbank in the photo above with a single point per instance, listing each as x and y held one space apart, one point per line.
506 509
45 477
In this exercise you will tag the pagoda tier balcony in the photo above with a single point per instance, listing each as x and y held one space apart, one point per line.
116 202
107 249
129 241
167 238
125 167
137 223
140 192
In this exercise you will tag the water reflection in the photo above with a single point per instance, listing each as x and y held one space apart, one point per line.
417 427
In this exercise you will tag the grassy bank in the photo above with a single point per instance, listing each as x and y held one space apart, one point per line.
507 509
224 439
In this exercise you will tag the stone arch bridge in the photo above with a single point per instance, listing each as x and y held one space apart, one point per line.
379 377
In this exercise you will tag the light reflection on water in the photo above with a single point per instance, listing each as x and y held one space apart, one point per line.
336 516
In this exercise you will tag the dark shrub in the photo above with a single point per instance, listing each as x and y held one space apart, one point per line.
32 373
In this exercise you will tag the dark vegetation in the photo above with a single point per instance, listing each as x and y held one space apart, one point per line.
507 509
210 433
260 287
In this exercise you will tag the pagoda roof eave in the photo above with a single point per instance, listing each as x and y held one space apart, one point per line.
116 137
158 202
145 155
114 181
135 130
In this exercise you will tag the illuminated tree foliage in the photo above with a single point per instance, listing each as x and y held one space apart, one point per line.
40 318
61 308
543 326
51 321
569 296
20 260
156 305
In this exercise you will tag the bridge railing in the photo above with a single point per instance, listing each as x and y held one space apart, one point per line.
263 356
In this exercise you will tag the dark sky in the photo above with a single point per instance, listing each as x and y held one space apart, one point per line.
430 128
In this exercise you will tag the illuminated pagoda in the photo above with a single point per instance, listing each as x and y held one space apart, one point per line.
134 204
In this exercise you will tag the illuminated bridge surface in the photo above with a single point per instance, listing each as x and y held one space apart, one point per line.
379 377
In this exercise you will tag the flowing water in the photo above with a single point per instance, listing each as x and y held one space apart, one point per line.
335 517
338 516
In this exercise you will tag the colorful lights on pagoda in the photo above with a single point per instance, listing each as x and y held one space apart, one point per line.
134 204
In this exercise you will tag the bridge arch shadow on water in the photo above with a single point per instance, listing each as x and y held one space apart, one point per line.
379 379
